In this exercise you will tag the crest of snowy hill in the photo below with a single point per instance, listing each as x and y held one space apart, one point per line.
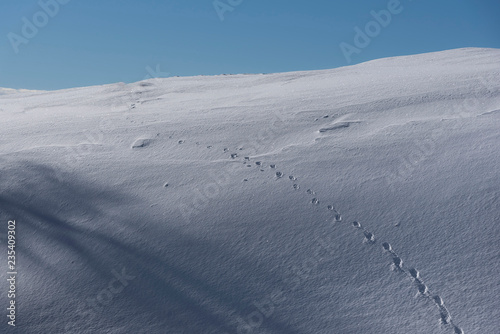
362 199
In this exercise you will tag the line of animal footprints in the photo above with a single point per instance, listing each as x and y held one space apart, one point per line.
397 262
423 290
369 238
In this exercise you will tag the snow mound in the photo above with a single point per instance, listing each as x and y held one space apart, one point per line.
363 199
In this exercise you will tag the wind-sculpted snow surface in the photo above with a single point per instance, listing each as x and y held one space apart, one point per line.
362 199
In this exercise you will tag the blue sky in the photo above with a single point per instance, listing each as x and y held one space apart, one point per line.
92 42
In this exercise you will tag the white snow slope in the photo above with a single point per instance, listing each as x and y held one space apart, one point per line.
158 206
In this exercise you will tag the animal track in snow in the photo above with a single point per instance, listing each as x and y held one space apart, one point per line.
437 300
397 262
414 273
369 237
356 224
445 317
422 288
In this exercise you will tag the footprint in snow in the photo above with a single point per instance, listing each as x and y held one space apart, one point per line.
296 187
397 262
387 246
310 192
438 300
414 273
279 175
292 178
315 201
369 237
272 166
356 224
234 155
422 288
181 141
444 317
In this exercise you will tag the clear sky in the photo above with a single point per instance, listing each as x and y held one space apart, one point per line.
92 42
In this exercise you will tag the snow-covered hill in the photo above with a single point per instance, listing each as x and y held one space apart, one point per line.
362 199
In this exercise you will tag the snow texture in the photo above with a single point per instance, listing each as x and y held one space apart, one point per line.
362 199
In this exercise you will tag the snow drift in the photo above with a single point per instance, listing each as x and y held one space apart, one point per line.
362 199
